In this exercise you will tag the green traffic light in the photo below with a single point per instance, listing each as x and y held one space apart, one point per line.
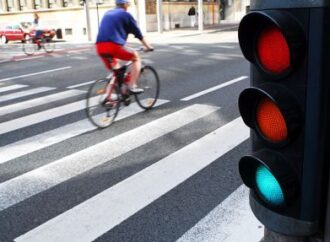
268 187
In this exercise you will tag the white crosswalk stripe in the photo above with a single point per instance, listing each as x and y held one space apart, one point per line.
11 87
25 93
138 191
38 101
213 227
99 213
46 139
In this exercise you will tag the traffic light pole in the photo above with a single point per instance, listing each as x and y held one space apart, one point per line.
327 222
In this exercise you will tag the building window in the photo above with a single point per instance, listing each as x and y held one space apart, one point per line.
10 5
22 4
37 4
68 31
52 3
67 3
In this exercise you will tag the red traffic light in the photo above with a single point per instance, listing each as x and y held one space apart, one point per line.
273 41
273 51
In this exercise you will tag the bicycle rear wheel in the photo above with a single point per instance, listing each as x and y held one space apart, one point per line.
149 81
29 47
102 108
48 45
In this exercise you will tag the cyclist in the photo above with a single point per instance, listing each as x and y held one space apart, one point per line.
115 26
38 30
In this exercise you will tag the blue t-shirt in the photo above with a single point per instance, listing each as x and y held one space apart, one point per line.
115 26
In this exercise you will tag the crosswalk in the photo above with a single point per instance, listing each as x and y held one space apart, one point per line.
39 169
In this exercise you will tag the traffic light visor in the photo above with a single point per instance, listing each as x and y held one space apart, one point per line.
272 112
270 176
273 41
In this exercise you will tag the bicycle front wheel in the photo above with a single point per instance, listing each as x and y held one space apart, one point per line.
29 47
103 101
48 45
149 81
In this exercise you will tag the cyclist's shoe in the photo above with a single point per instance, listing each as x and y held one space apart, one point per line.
39 47
127 100
135 90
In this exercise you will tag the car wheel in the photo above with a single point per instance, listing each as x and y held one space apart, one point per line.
3 39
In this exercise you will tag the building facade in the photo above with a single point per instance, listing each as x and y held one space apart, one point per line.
69 16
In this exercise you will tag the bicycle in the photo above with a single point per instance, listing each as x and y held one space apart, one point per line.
105 96
31 45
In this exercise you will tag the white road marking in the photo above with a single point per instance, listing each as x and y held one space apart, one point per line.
25 93
214 88
34 74
29 58
97 215
31 144
12 87
81 84
38 101
231 221
43 116
43 178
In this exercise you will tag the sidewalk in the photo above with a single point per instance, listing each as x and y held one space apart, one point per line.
11 52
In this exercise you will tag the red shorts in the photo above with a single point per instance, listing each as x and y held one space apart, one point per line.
111 52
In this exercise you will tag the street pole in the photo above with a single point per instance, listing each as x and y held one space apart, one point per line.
327 221
98 2
142 16
159 16
97 13
200 15
88 21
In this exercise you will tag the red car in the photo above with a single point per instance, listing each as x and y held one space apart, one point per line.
21 32
14 32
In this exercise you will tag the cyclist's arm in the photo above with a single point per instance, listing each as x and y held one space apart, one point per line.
146 44
134 29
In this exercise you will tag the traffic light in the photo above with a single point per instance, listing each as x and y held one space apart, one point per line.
286 108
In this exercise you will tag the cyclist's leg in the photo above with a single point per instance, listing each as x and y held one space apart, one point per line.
106 53
135 72
129 55
37 38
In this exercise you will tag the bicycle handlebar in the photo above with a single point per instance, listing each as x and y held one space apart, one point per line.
142 49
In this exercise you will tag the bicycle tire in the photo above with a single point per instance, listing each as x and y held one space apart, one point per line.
149 81
48 45
100 110
29 47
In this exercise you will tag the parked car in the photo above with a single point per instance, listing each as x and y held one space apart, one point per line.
14 32
21 32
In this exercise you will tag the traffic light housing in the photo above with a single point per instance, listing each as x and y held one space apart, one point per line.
286 108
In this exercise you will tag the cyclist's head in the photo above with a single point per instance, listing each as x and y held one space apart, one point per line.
123 3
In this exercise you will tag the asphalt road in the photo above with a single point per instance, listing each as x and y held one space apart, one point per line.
163 175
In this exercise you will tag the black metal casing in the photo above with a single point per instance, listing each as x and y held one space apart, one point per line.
306 25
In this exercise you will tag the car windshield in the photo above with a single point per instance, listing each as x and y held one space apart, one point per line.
26 25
